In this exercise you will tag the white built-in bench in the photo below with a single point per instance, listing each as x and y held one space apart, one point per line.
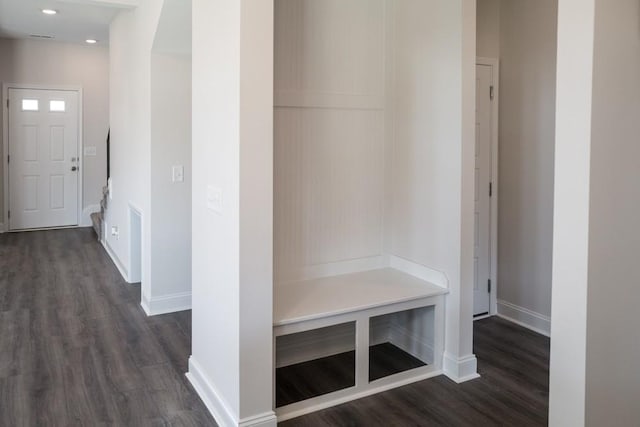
369 300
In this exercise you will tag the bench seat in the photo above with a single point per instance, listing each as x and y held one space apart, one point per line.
357 299
331 296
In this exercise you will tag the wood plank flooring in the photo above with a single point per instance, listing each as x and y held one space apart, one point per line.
77 350
328 374
513 389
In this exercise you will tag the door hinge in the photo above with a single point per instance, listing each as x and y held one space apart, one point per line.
8 158
491 189
9 214
491 92
489 286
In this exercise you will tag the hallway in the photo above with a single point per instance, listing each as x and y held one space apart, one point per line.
75 346
77 349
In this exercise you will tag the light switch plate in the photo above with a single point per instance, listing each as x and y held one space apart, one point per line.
90 151
178 173
214 199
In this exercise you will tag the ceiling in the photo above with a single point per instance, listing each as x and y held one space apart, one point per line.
76 21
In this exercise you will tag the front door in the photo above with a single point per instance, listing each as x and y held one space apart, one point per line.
43 158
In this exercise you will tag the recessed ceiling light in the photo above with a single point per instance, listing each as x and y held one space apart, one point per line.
91 41
49 11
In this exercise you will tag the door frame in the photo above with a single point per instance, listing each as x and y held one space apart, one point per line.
494 63
5 143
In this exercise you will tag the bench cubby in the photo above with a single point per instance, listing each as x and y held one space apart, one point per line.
331 316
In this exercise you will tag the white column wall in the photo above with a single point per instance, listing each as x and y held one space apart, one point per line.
613 340
231 362
130 42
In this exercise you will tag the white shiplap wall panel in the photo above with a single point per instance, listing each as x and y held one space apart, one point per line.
330 53
329 132
329 176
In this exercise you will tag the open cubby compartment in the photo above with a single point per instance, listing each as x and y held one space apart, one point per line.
315 363
400 342
331 335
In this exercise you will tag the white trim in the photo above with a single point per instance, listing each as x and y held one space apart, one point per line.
5 141
268 419
494 63
219 408
223 414
86 215
524 317
118 4
366 264
166 304
420 271
121 268
317 271
460 369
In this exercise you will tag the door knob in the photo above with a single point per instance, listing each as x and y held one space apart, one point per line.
74 168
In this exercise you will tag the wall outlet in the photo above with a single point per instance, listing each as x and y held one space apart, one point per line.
115 232
178 173
214 199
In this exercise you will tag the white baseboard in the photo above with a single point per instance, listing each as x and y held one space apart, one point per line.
267 419
420 271
85 221
166 304
121 268
219 408
460 369
524 317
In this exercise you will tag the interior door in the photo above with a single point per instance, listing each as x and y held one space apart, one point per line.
482 250
43 158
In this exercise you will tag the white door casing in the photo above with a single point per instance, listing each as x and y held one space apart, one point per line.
483 190
43 158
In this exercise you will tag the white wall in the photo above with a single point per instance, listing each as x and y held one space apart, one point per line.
232 335
329 134
49 62
169 287
571 213
488 28
612 341
170 281
131 40
522 33
432 117
594 347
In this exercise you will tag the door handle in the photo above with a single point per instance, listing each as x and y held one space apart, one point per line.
74 168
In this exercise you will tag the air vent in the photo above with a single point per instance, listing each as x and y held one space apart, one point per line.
40 36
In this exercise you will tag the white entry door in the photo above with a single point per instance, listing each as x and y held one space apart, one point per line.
43 158
482 251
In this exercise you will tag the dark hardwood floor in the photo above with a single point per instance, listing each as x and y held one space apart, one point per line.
77 350
513 389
